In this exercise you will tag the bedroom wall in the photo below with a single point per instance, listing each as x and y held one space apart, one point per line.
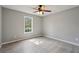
13 25
63 26
0 24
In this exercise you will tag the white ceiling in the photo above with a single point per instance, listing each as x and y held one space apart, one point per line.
29 8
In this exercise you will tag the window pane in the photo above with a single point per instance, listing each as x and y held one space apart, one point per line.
28 24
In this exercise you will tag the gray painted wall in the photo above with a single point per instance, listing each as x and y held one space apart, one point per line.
63 25
13 25
0 25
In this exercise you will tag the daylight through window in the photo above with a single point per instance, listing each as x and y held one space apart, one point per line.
28 24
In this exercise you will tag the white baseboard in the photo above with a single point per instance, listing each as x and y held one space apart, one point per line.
40 36
11 41
16 40
63 41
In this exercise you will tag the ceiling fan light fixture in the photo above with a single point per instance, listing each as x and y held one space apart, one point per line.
40 13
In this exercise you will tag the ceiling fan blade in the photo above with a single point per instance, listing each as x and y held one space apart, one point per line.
47 10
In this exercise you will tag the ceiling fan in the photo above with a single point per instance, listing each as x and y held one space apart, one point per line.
41 9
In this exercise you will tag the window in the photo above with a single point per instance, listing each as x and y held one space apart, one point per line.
28 24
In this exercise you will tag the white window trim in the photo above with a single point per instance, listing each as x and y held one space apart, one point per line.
31 25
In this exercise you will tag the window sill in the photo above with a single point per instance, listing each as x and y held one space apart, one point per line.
28 32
